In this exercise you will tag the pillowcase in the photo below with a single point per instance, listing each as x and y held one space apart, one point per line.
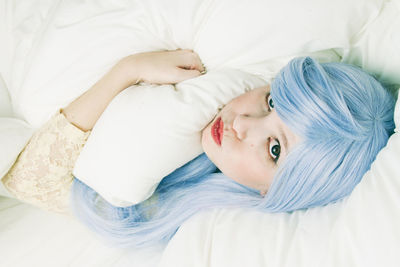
148 131
72 44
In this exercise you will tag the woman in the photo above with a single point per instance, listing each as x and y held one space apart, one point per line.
305 141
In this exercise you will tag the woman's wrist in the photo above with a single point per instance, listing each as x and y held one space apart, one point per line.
126 71
84 111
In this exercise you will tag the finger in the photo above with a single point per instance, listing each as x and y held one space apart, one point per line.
183 75
199 67
190 60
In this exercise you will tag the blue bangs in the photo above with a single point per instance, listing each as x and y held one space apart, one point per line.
343 115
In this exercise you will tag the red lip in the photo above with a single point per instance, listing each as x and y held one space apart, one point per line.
217 131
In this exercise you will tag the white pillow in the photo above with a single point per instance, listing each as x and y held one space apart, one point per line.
80 41
148 131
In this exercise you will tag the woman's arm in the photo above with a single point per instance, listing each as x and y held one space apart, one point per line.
84 111
42 173
167 67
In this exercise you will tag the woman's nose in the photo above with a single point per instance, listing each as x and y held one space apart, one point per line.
247 127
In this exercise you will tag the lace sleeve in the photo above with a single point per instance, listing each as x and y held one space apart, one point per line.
42 173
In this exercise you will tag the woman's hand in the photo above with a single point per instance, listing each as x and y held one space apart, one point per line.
164 67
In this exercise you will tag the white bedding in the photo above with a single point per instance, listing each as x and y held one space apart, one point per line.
338 235
31 237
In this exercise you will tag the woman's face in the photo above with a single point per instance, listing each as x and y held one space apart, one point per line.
247 140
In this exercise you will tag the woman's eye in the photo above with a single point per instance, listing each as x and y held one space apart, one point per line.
274 149
270 102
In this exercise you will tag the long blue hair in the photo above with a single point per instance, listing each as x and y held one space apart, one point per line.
344 117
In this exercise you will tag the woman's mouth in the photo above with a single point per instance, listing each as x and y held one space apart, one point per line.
217 131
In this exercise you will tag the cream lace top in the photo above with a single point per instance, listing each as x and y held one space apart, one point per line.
42 173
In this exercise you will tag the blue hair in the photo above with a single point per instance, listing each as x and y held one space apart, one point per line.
344 117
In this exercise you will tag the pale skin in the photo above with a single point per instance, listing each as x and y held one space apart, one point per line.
254 141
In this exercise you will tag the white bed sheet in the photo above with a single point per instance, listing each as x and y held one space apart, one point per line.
31 237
